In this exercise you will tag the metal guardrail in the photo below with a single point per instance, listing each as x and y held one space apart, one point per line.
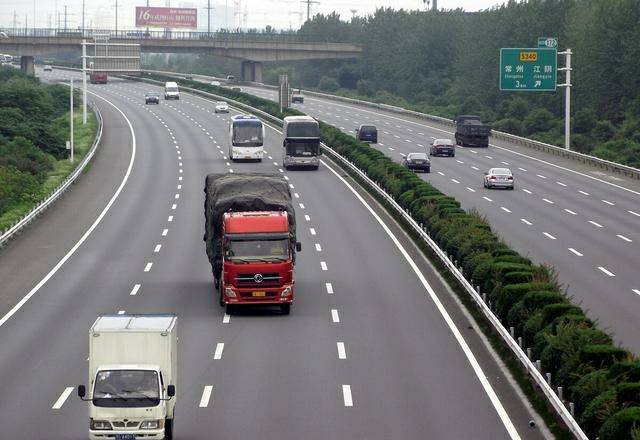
52 197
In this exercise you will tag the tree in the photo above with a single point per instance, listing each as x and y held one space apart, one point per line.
328 84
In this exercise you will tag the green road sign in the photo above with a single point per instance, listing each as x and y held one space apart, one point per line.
528 69
551 42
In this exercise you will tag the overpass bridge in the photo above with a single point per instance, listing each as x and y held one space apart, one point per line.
252 48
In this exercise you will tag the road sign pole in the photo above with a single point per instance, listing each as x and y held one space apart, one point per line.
84 82
567 97
71 118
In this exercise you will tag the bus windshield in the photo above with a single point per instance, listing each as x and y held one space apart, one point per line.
247 133
303 130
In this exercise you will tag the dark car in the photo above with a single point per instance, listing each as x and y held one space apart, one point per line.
367 133
417 161
152 98
442 146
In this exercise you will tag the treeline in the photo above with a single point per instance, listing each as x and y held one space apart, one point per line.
33 131
447 63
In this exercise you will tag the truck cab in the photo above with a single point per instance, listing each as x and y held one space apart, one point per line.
98 77
297 96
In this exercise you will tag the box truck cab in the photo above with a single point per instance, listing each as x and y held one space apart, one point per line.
171 90
132 377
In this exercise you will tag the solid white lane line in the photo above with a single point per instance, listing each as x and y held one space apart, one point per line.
226 318
219 349
329 287
473 362
608 202
548 201
323 265
487 199
561 184
527 191
307 218
335 317
165 232
549 235
570 212
505 209
342 353
147 268
576 252
206 395
157 249
525 221
636 291
622 237
84 237
611 274
346 393
634 213
63 398
318 247
595 224
584 192
313 231
135 290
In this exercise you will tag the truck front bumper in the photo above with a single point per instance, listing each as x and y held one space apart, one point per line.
138 434
257 295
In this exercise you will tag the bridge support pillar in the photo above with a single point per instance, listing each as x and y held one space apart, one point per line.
251 71
26 65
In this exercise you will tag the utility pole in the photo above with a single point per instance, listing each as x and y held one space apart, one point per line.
65 18
353 13
34 16
309 2
83 20
116 18
209 8
71 118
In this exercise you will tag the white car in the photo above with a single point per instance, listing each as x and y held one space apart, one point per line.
498 178
221 107
48 68
215 83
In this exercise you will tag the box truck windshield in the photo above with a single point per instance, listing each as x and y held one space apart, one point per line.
126 389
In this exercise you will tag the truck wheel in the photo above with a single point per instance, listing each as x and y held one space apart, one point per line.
168 429
216 283
221 301
230 309
285 309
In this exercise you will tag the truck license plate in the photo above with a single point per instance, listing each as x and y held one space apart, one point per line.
247 157
259 293
125 437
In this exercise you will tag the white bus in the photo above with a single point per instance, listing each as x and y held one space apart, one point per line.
246 138
301 145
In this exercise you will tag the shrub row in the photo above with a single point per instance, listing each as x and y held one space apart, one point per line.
601 378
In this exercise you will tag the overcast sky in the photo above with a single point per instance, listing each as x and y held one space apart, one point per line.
259 13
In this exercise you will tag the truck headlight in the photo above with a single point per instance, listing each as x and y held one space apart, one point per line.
286 292
100 425
150 424
229 292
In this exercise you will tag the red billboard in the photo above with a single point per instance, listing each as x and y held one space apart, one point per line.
167 17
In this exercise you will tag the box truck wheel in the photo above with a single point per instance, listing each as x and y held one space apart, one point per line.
285 309
168 429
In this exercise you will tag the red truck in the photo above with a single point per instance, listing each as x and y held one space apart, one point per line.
250 239
98 77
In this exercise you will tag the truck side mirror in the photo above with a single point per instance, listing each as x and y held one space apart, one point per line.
171 390
82 391
298 246
284 143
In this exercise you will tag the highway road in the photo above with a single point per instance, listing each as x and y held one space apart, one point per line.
376 346
576 218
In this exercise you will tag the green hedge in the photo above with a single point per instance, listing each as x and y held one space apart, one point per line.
580 357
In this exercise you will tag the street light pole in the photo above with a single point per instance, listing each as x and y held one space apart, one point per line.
71 118
84 82
567 97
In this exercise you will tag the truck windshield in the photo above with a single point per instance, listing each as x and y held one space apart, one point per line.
172 89
303 148
247 133
126 389
265 250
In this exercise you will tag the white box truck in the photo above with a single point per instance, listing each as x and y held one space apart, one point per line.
171 90
132 377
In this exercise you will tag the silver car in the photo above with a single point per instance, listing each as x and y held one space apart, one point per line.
221 107
498 178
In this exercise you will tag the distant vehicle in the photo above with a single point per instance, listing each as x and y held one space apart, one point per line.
5 58
138 34
498 178
246 138
47 68
221 107
236 89
297 96
471 132
215 83
3 35
98 77
442 146
132 376
188 77
152 97
301 145
231 79
417 161
171 90
368 133
250 236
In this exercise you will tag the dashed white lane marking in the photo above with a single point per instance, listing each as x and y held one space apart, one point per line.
121 312
335 317
611 274
489 157
226 318
165 232
576 252
147 268
546 234
584 193
459 161
206 395
487 199
173 207
634 213
63 398
157 249
219 349
342 353
504 163
561 184
525 221
231 170
135 290
475 168
323 265
455 181
318 247
170 218
296 195
505 209
527 191
346 393
301 205
329 288
570 212
595 224
541 176
522 169
313 231
471 189
622 237
636 291
608 203
441 173
307 218
548 201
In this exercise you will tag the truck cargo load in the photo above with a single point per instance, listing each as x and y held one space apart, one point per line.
471 132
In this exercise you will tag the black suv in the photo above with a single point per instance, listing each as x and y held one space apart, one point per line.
367 133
